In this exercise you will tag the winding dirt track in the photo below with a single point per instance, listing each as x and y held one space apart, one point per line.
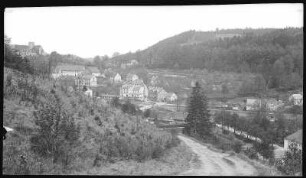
213 163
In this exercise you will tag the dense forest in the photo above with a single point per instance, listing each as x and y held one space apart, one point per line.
276 54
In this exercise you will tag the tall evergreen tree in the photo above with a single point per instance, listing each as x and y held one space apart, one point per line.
197 120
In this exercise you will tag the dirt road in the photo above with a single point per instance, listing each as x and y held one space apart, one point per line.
214 163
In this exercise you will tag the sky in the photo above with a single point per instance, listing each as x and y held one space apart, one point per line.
102 30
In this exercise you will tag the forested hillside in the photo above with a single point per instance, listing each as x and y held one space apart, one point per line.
277 54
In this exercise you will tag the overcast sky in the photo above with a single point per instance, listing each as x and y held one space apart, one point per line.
91 31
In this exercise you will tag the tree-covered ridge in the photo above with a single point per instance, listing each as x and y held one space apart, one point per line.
276 54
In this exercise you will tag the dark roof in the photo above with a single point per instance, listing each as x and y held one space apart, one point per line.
70 68
93 69
88 77
296 137
21 47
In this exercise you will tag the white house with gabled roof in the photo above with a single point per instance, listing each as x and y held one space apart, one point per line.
117 78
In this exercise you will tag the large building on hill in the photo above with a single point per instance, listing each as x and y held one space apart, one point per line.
70 70
134 89
29 50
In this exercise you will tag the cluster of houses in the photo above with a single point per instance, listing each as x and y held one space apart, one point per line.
272 104
132 87
28 50
160 95
252 104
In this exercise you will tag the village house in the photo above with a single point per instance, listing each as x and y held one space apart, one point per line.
296 137
132 63
107 97
216 87
161 94
154 80
171 97
135 89
70 70
85 80
297 99
152 93
90 80
236 106
131 77
273 104
93 71
88 92
117 78
30 50
252 104
192 84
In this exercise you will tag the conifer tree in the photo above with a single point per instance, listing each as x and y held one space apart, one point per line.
197 120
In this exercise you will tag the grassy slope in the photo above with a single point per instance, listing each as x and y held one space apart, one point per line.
20 118
173 161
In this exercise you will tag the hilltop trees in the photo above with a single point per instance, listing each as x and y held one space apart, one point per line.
268 52
197 120
14 60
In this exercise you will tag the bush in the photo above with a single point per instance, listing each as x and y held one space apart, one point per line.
291 164
251 153
237 146
57 133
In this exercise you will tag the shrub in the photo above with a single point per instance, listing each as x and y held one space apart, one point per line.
237 146
291 164
251 153
57 133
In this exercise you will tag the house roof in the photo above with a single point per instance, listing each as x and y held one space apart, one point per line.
297 96
171 94
130 76
296 137
70 68
88 77
117 75
21 47
252 101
